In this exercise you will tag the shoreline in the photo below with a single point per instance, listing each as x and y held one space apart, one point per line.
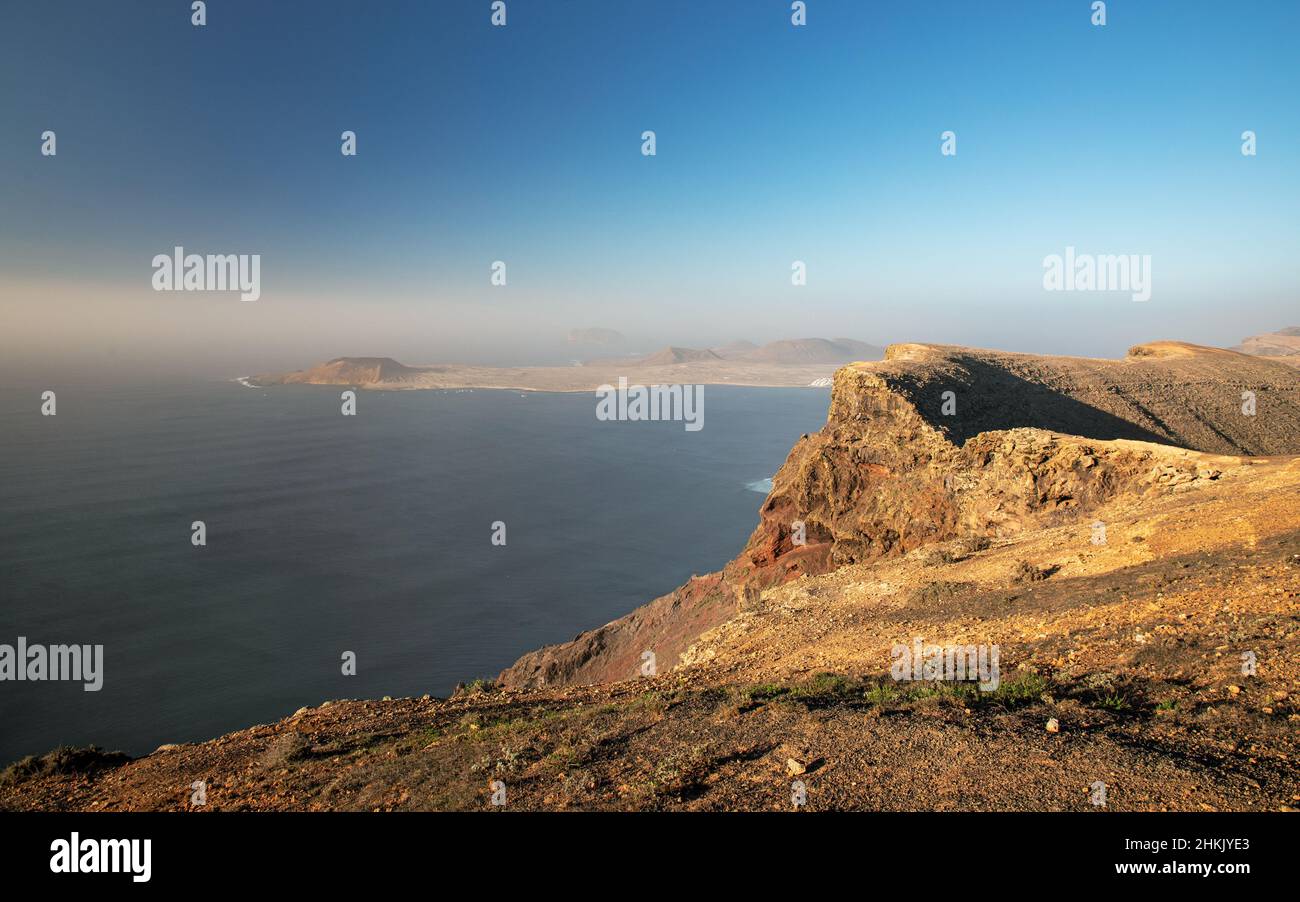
511 388
385 373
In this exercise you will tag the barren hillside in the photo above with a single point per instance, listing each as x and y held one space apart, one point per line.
815 350
355 371
1283 345
673 355
1029 440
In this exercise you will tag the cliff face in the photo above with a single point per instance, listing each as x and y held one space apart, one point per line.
936 443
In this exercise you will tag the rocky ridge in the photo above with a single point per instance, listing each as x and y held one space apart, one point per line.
1028 440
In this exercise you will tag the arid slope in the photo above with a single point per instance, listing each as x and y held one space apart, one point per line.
1021 441
1283 345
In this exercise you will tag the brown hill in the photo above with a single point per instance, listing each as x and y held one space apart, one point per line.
733 349
1169 392
360 371
815 350
671 355
787 352
1282 343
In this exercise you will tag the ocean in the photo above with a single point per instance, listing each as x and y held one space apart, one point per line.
327 534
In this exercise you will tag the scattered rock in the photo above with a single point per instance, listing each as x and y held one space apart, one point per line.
285 748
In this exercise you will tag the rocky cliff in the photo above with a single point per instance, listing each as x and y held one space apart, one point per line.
936 443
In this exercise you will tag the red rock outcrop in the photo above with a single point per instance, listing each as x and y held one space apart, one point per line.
935 443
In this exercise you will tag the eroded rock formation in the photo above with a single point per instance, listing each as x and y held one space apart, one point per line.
935 443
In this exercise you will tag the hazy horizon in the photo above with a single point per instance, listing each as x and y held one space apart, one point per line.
775 144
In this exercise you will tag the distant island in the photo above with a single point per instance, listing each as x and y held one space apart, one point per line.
1283 344
796 362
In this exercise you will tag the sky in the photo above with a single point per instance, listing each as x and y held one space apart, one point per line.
522 143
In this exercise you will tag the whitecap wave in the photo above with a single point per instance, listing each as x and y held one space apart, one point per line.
762 486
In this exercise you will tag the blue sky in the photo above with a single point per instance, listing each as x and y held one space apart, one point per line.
775 143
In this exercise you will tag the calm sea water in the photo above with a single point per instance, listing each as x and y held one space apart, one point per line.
328 534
